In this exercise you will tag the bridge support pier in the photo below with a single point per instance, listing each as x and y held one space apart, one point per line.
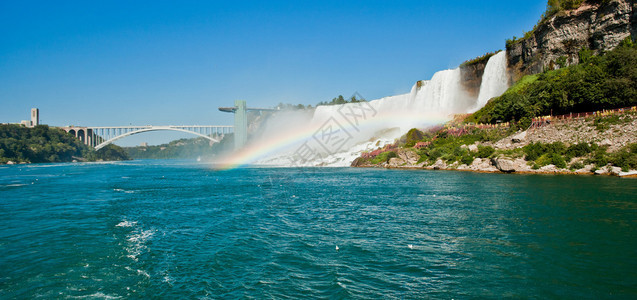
84 134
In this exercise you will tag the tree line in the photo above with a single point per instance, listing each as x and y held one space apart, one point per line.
335 101
44 144
183 149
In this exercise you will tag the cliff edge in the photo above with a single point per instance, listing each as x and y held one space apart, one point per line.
556 40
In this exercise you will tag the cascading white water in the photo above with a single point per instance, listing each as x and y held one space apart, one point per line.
439 97
443 94
428 102
495 79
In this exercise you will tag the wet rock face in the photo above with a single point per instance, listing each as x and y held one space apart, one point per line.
599 27
633 20
358 162
472 78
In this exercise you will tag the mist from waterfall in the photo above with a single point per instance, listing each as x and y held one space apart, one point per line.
369 125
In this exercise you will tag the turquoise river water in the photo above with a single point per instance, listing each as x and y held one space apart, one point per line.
176 229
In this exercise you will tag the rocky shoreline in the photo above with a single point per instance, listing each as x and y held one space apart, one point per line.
497 165
507 160
519 166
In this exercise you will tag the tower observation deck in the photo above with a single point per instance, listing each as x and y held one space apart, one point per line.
240 110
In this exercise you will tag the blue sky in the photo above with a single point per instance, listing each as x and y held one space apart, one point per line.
106 63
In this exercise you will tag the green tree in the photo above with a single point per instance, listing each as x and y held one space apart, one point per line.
40 144
599 82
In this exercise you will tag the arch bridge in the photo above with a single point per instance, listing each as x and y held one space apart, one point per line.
99 137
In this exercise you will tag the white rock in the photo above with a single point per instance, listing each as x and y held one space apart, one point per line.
518 138
549 169
615 171
605 142
600 172
396 162
504 165
629 173
439 165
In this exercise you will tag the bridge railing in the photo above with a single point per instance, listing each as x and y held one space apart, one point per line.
545 120
100 136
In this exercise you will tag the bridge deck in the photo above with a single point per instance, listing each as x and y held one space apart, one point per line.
100 136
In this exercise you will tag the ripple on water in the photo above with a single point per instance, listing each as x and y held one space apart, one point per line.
190 232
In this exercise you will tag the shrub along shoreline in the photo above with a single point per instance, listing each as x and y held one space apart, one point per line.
505 149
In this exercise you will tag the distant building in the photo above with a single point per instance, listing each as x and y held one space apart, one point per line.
144 144
35 117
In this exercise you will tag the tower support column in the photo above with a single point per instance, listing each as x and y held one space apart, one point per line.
240 124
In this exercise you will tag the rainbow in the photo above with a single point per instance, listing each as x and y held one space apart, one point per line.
255 151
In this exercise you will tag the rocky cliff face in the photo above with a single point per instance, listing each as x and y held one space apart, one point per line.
472 77
633 20
597 25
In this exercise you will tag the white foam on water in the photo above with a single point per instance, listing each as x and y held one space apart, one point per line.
126 224
142 272
141 237
136 240
99 295
168 279
340 159
15 185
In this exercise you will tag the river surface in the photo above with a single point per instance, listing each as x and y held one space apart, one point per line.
176 229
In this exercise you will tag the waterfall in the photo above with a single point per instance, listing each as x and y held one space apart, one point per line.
495 80
428 103
439 97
